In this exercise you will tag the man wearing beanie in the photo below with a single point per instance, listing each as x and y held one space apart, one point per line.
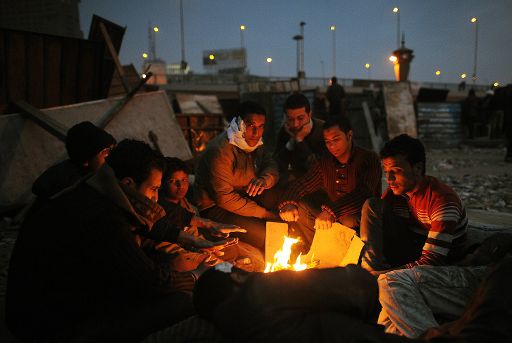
87 146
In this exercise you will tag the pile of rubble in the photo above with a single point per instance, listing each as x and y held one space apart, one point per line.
480 176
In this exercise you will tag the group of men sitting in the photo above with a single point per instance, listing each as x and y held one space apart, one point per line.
113 248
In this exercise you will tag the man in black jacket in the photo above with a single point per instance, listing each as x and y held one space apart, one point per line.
77 269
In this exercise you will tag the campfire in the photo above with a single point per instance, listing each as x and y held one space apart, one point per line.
282 258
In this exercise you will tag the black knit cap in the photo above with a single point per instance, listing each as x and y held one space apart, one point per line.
85 140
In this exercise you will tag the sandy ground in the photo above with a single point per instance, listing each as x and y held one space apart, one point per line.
479 175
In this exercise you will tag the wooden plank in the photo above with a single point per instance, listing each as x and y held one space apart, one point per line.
43 120
3 76
52 71
69 82
113 54
15 67
35 70
87 73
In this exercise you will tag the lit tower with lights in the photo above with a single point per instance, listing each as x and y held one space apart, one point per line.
401 59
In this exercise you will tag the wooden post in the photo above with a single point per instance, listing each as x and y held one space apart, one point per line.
113 53
53 127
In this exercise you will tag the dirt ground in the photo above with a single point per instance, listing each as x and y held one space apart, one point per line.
480 176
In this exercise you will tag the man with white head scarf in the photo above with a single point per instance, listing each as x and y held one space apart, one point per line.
234 176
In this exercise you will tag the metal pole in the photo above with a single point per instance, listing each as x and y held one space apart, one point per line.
298 57
302 48
476 53
242 45
182 34
334 52
398 29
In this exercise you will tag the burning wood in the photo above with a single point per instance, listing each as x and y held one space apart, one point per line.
282 258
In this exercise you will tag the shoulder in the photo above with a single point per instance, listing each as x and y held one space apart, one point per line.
365 154
441 191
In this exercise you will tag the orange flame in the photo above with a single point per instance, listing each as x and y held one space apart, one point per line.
282 258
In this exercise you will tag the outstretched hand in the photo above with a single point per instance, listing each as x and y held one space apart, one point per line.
324 221
223 230
289 213
256 186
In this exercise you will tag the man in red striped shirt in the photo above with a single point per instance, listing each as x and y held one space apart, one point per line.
335 187
418 221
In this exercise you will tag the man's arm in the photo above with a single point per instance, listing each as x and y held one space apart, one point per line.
268 170
311 182
448 221
225 195
118 253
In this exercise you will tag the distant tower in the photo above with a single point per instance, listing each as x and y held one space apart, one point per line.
153 63
403 60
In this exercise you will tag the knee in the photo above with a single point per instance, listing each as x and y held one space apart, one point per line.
395 278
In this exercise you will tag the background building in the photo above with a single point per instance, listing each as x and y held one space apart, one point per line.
54 17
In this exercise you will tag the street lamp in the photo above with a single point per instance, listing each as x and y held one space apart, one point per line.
152 30
396 10
145 55
474 20
298 38
463 76
242 46
438 74
333 30
269 62
242 29
211 57
368 66
302 72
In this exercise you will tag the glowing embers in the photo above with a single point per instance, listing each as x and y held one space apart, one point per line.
282 258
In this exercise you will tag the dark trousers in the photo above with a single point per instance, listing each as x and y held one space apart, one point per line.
389 241
130 321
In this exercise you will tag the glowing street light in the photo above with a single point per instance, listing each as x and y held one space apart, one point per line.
474 20
396 10
463 76
438 72
269 62
211 57
242 45
496 84
368 66
145 55
333 30
393 59
156 29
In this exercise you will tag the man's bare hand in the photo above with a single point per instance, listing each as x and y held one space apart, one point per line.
289 213
256 186
324 221
187 240
223 230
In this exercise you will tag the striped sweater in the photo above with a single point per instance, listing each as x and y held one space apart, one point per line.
347 185
436 212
